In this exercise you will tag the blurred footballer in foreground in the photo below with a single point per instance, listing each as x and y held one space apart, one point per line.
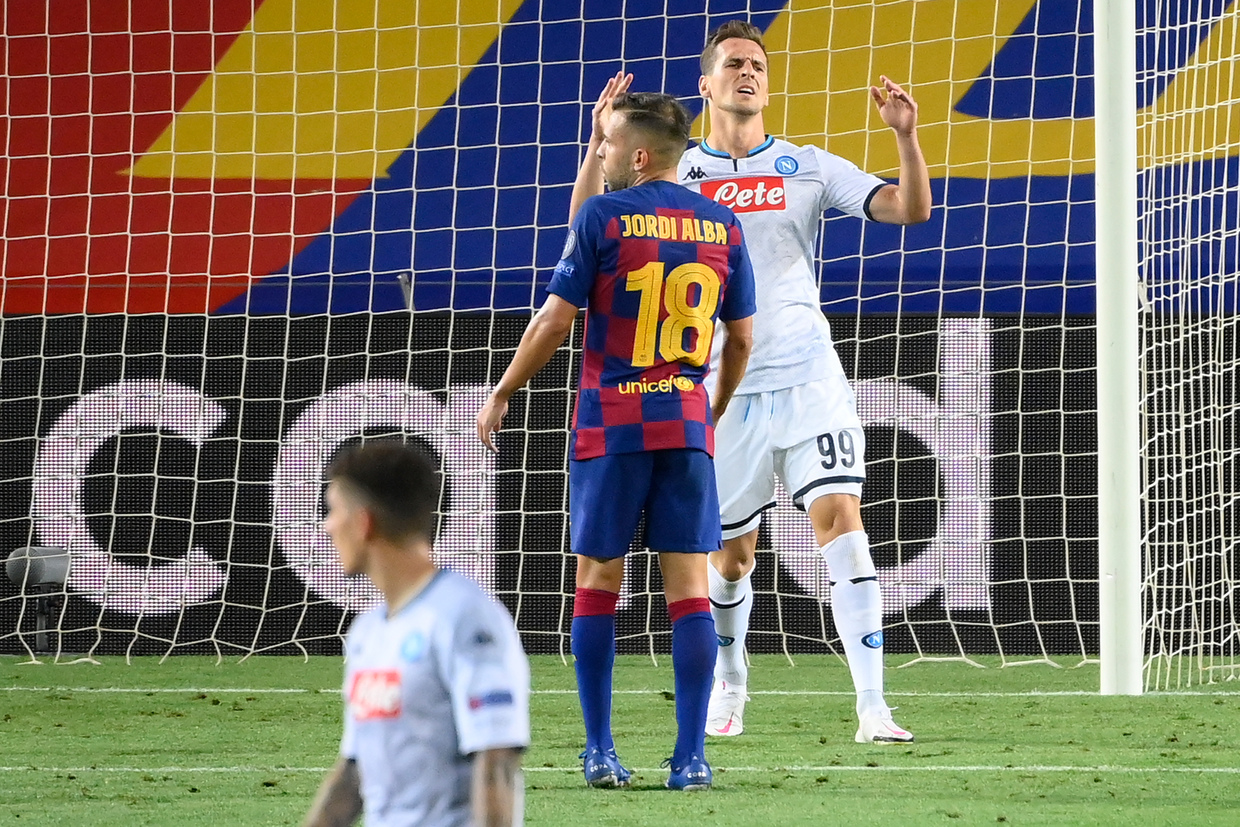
436 683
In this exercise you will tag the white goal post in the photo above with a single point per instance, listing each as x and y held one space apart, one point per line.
1119 458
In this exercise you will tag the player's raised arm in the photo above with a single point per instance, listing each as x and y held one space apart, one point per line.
907 202
339 800
589 180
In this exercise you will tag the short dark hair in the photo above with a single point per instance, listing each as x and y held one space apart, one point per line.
661 118
733 28
397 483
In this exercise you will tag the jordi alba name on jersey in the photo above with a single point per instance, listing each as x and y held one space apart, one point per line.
779 192
655 266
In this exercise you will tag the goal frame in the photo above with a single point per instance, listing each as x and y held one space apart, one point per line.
1117 307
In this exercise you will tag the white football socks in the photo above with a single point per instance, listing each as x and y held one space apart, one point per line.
730 604
857 606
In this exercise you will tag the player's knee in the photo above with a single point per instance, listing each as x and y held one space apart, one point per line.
833 515
603 573
733 561
734 569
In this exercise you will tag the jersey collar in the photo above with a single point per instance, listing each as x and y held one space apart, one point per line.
417 597
714 153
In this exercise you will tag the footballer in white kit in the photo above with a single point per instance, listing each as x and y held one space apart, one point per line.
795 385
436 685
794 415
442 679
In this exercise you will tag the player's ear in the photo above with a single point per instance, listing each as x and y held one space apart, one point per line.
704 87
366 523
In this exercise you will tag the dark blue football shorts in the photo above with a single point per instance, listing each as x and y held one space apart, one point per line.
674 488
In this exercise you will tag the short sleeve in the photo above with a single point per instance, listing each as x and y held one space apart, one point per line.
348 742
740 294
575 273
846 187
488 678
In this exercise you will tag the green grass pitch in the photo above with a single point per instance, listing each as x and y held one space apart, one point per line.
193 742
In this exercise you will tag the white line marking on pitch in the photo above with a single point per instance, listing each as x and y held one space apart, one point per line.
1033 693
164 690
806 768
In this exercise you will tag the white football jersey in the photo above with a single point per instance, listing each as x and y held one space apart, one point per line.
445 678
779 192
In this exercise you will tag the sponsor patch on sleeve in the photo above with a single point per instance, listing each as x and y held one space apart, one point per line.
498 698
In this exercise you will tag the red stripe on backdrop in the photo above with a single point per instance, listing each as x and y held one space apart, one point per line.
90 89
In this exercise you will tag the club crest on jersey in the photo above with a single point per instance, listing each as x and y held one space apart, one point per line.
413 648
873 641
375 694
756 194
786 165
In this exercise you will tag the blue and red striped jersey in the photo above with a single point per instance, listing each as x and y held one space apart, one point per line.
655 266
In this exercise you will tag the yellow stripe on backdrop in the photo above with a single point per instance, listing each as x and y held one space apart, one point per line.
318 89
1197 116
325 89
825 54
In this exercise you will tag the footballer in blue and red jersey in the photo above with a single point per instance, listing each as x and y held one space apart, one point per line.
654 265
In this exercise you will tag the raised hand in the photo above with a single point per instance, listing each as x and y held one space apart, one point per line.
602 108
897 107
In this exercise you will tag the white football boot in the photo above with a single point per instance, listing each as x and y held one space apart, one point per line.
726 712
877 728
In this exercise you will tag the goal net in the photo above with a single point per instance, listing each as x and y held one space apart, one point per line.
239 236
1189 233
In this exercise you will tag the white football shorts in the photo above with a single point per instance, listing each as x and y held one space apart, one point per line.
809 435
